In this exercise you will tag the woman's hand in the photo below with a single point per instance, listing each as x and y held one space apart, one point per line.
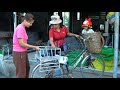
53 46
36 48
77 35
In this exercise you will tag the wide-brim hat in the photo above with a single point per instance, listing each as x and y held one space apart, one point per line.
55 19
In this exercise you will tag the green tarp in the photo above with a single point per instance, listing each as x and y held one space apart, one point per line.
107 54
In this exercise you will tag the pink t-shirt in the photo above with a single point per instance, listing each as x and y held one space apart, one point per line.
20 32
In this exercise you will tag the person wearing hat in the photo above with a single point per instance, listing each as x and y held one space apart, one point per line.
58 32
87 25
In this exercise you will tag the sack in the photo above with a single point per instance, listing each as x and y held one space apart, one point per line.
96 43
3 66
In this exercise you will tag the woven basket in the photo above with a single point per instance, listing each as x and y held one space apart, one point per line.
96 43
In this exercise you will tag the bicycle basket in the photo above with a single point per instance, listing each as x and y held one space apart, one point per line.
96 43
48 62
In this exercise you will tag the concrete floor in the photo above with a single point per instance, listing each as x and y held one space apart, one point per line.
10 68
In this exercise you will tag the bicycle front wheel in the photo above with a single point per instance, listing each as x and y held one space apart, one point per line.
91 70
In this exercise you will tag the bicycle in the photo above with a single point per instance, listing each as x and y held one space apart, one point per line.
86 63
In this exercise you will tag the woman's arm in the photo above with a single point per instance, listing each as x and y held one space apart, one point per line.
69 33
51 38
72 34
51 42
22 43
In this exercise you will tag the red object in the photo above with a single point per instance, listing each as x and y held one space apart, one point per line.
87 22
58 37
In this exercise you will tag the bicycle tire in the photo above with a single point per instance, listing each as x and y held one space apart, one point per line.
90 71
34 71
45 74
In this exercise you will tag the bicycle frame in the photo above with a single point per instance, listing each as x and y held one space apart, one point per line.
81 56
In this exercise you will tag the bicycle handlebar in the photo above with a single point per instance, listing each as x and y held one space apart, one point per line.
84 38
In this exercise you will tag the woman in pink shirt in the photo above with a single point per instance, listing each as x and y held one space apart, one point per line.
20 37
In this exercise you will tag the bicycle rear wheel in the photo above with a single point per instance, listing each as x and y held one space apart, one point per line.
37 74
90 70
